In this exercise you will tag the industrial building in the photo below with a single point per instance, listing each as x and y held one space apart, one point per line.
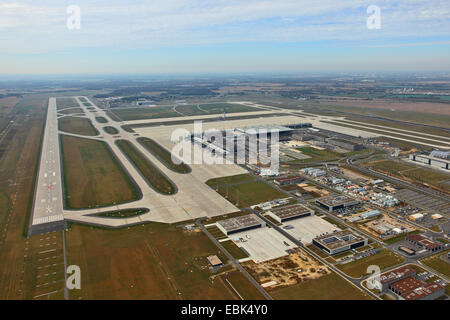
333 203
214 260
370 214
339 241
314 172
411 288
290 212
395 275
289 180
426 243
439 159
345 144
238 224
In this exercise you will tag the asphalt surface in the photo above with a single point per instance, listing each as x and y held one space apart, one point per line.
48 201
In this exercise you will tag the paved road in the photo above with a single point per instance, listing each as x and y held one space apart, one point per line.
48 202
234 261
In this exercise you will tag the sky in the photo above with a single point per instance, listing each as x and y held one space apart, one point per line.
196 36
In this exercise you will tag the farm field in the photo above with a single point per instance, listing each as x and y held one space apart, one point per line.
163 155
75 125
155 178
151 261
92 175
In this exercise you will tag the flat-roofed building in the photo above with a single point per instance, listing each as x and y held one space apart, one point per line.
333 203
340 241
411 288
238 224
284 181
426 243
214 260
287 213
443 163
395 275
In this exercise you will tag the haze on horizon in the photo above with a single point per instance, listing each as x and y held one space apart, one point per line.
197 36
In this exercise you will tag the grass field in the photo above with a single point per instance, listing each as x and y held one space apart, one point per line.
318 155
145 113
328 287
18 165
71 111
164 156
92 175
68 102
358 268
101 119
75 125
153 261
234 250
412 173
111 130
245 288
154 177
436 263
122 213
244 190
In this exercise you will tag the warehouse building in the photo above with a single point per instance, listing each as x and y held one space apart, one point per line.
289 180
345 144
333 203
443 163
426 243
370 214
411 288
238 224
290 212
395 275
339 241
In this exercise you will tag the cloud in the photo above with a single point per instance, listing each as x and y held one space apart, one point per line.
26 27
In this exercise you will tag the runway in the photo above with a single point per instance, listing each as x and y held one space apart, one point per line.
48 200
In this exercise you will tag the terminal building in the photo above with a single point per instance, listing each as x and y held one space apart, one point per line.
333 203
290 212
239 224
339 241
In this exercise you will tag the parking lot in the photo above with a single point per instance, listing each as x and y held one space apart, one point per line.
423 201
307 228
262 244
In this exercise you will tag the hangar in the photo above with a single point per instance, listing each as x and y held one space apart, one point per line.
239 224
290 212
